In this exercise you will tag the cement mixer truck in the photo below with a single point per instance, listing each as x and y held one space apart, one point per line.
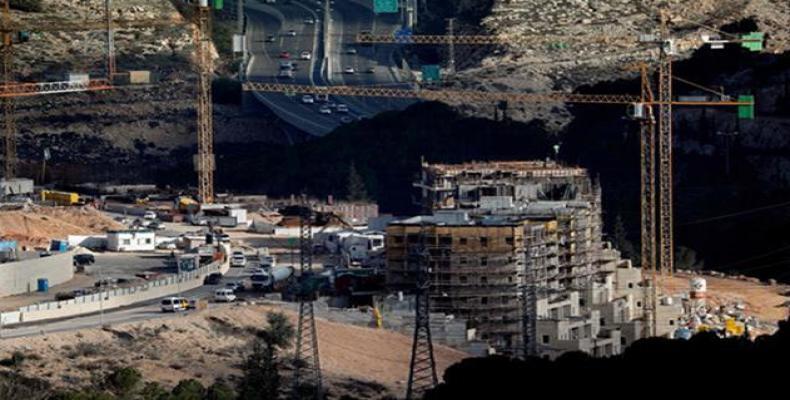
268 279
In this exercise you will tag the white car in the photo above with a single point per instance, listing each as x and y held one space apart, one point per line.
173 304
325 110
238 260
349 70
305 55
224 295
149 215
342 108
308 99
351 51
309 21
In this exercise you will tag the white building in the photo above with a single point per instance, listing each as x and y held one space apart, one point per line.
128 240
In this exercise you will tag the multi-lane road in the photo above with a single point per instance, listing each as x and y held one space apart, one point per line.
327 31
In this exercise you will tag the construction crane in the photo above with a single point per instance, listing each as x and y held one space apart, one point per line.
307 367
10 89
204 159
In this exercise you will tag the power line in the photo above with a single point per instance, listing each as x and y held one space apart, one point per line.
736 214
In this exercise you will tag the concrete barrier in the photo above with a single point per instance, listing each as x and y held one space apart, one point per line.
115 298
22 276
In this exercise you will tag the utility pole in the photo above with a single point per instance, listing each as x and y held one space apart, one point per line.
307 367
204 160
9 103
728 138
422 368
111 67
451 46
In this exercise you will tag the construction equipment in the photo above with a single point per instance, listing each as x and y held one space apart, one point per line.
307 367
204 159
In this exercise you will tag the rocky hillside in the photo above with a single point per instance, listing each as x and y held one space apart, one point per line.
564 44
103 135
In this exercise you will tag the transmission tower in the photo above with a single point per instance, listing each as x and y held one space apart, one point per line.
307 369
422 369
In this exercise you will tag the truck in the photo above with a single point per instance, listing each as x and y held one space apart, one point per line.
60 198
268 279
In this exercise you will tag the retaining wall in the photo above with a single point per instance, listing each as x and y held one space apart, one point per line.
115 298
22 276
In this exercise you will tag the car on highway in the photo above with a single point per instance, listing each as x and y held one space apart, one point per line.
224 296
322 98
305 55
346 119
238 260
270 39
173 304
351 51
286 73
285 54
309 21
349 70
290 33
286 65
308 99
325 110
342 108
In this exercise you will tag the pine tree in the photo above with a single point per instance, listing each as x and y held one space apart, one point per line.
620 239
356 185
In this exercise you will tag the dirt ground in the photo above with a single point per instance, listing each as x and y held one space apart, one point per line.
37 225
211 344
765 302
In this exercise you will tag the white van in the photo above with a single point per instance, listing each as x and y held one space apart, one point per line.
224 295
173 304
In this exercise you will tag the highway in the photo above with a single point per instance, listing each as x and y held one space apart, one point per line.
268 29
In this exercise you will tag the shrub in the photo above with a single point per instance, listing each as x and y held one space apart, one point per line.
124 380
189 389
27 5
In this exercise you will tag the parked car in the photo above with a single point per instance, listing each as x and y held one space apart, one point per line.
309 21
351 51
238 259
371 70
291 33
270 39
305 55
235 286
149 215
224 295
212 279
84 259
349 70
173 304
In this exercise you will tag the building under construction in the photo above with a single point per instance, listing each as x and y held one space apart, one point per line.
516 249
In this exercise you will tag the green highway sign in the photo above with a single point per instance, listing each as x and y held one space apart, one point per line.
385 6
746 112
431 74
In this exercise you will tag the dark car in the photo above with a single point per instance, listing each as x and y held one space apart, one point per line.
213 279
84 259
